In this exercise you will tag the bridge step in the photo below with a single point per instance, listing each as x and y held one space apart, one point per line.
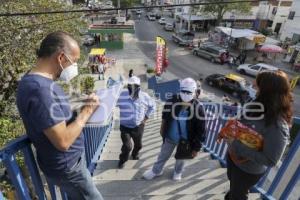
175 197
202 179
194 164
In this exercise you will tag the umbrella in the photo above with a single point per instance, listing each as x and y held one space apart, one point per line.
270 48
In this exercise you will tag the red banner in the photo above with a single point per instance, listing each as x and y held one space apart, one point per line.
161 56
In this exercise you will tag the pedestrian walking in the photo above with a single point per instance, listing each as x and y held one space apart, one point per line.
243 57
130 73
230 61
246 165
101 71
136 107
182 128
55 133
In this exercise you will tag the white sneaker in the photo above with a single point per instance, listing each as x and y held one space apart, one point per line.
177 177
149 174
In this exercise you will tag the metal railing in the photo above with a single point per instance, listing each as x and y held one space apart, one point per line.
95 136
271 188
279 186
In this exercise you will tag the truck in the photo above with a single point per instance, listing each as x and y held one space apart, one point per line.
183 38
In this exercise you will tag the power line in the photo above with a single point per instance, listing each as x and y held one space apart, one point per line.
126 8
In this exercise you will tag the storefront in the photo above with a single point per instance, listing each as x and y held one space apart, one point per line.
242 39
111 36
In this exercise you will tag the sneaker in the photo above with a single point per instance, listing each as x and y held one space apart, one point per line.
149 175
177 177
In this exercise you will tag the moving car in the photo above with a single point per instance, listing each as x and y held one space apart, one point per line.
138 12
255 69
235 85
169 27
162 21
183 38
212 52
151 17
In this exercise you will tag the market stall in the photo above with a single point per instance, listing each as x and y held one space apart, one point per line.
242 39
96 56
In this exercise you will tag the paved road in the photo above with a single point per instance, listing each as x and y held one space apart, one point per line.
182 62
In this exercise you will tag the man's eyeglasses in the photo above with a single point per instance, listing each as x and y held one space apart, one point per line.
186 92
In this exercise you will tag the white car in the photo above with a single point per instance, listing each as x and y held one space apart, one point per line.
138 11
162 21
255 69
169 27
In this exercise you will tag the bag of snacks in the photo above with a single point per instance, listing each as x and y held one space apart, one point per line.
236 130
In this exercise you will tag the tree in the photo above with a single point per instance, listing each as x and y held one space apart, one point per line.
21 36
218 10
125 3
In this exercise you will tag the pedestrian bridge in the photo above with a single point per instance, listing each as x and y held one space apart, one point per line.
204 177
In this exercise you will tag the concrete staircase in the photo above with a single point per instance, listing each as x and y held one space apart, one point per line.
203 178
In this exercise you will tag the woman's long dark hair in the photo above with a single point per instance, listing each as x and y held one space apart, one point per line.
274 92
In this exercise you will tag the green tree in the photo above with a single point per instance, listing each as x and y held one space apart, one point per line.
218 10
125 3
21 36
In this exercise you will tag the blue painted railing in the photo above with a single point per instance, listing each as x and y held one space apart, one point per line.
95 138
288 173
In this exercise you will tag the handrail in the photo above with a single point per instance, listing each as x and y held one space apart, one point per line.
95 136
288 173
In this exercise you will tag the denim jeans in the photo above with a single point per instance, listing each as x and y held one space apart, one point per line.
166 151
77 183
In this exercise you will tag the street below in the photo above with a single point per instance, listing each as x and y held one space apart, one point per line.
182 63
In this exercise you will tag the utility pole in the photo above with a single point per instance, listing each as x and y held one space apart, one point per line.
119 5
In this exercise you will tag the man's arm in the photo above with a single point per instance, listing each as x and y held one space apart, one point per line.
200 132
62 136
151 107
162 128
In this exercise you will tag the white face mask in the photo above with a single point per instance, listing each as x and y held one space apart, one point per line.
186 97
68 73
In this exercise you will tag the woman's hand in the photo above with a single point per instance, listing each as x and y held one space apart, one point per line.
229 141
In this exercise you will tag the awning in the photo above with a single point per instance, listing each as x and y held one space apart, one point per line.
195 17
238 33
97 52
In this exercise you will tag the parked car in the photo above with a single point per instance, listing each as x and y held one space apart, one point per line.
157 16
183 38
113 20
88 40
169 27
235 85
255 69
212 52
162 21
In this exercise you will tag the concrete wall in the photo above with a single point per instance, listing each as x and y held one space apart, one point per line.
292 26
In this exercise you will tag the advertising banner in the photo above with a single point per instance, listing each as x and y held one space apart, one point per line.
161 55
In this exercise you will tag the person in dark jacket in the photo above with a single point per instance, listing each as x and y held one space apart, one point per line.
245 165
183 117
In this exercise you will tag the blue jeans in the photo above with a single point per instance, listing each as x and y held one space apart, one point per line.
77 183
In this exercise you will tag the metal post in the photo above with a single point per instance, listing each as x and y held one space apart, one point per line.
190 16
119 5
232 25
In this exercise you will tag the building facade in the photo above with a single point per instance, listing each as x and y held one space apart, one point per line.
291 27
